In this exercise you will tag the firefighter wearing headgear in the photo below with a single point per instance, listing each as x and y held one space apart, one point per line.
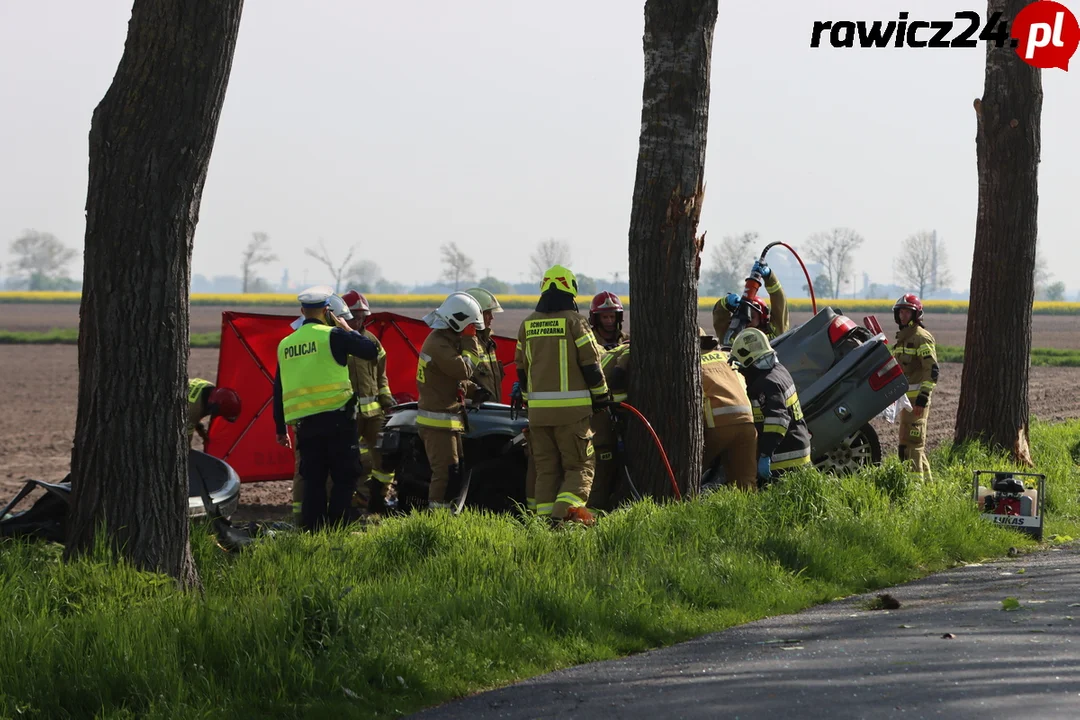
730 434
917 354
606 318
772 323
559 376
374 398
489 371
444 375
206 400
605 442
783 439
312 391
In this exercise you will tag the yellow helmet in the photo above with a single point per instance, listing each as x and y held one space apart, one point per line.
560 279
750 346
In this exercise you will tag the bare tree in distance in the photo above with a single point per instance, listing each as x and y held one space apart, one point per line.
1042 272
923 263
364 275
457 266
549 252
337 270
994 406
256 253
730 262
664 245
147 169
40 256
835 250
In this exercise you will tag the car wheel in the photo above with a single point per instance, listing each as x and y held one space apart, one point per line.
858 450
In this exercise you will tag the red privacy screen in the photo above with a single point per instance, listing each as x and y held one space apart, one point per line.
248 361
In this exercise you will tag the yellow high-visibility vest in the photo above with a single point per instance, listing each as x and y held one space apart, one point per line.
312 381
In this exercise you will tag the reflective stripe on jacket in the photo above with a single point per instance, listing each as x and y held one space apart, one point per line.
552 348
369 380
725 401
441 371
778 417
916 353
312 381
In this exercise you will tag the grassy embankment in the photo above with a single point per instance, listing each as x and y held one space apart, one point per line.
70 336
423 609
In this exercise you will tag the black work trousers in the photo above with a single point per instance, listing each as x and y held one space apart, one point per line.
328 445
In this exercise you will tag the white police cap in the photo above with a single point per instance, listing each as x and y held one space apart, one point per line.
316 297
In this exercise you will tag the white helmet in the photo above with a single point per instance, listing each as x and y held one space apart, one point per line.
340 308
458 310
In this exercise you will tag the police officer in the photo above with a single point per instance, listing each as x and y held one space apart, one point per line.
772 323
917 354
489 371
559 376
312 391
207 400
783 438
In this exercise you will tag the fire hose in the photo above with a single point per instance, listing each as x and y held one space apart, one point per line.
740 318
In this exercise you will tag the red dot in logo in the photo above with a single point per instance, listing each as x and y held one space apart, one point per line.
1047 34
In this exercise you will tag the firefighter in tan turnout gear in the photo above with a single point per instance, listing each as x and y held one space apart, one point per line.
558 365
372 390
604 439
917 355
772 323
783 439
489 371
444 375
730 435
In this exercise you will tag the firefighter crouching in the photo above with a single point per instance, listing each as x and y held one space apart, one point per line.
730 434
443 378
558 365
372 388
783 438
917 355
207 400
772 323
604 439
489 371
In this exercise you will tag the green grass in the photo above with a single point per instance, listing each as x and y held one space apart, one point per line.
427 608
70 336
946 353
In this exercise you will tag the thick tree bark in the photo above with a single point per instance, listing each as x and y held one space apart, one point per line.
994 383
150 143
665 369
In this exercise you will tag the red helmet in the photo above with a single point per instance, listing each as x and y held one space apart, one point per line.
224 402
606 301
355 301
910 302
761 306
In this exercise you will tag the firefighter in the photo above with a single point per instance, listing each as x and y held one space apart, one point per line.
374 398
606 318
772 323
489 371
207 400
917 354
605 439
558 367
730 434
783 441
444 375
312 391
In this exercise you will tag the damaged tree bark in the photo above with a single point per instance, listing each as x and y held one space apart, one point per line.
665 367
150 143
994 382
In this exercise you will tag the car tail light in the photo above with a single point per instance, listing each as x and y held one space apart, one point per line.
889 371
839 328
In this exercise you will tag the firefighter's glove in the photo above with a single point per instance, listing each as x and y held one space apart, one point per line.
386 402
764 468
517 400
762 269
481 396
731 302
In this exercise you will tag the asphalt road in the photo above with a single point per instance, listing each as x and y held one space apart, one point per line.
841 660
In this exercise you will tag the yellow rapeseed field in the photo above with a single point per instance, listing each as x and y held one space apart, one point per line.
377 301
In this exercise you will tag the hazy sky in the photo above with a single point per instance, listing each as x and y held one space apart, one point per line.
498 123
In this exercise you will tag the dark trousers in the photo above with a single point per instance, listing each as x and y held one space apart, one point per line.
328 446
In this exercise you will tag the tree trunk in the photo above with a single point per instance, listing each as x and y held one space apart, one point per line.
150 143
994 384
665 251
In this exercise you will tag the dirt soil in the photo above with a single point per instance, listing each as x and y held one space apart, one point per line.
38 423
1051 331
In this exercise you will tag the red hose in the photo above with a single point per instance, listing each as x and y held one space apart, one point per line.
809 283
659 446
